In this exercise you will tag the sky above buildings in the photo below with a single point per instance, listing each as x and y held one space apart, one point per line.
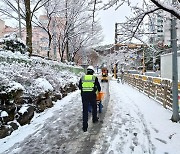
108 18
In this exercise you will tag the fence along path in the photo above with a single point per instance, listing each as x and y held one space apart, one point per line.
157 88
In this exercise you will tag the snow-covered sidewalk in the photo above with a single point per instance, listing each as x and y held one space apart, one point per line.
133 123
136 124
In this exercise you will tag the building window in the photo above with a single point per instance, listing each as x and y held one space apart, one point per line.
44 39
160 35
44 48
159 20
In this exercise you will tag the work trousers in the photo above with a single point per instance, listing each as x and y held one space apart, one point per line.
86 100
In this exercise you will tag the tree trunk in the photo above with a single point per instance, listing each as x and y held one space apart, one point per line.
67 50
66 27
28 26
49 44
19 20
62 55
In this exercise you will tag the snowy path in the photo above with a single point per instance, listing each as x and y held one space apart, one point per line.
127 129
52 135
60 131
135 124
131 123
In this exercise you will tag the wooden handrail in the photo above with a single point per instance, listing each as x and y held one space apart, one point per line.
157 88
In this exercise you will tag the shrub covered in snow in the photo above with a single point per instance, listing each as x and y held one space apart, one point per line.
41 85
12 43
30 71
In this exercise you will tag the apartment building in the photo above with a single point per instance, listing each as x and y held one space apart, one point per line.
167 29
40 37
156 28
160 24
2 27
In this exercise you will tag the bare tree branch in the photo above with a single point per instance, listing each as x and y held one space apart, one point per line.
170 10
146 13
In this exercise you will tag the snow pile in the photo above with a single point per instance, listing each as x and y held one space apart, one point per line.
13 43
4 114
23 109
43 84
33 75
14 86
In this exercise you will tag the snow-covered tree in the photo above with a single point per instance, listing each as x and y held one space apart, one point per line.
140 10
136 25
25 11
75 31
50 9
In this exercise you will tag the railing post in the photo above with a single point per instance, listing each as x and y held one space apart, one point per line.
165 85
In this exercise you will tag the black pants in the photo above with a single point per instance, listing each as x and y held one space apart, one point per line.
86 100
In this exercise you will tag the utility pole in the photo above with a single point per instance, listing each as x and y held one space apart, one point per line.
175 116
